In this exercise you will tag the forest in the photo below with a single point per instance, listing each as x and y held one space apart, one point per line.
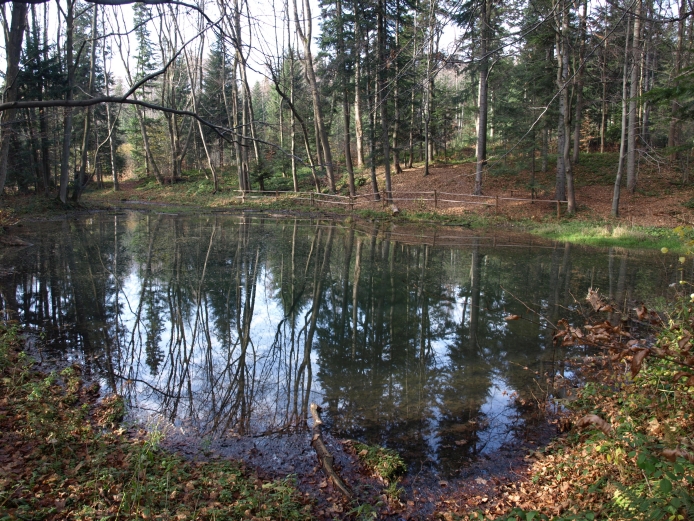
294 96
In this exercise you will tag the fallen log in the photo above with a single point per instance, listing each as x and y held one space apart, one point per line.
326 459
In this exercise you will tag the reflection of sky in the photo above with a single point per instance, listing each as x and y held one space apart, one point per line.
410 395
498 411
267 313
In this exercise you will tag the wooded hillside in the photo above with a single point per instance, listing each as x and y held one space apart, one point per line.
248 91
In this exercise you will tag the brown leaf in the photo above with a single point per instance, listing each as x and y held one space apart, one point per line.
593 420
508 318
576 332
637 360
673 454
616 357
655 319
598 303
641 312
681 374
683 342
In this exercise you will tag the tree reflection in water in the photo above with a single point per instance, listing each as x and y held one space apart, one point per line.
233 325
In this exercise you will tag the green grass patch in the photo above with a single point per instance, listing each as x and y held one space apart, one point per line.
605 234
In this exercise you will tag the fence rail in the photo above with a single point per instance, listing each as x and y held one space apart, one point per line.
422 199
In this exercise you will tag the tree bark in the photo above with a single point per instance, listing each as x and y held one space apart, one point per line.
382 98
482 96
67 118
13 48
633 102
579 83
673 130
305 36
622 142
80 183
345 99
568 171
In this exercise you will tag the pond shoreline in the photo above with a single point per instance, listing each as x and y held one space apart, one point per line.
422 497
489 484
588 230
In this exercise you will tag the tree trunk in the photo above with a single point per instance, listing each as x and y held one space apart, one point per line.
396 94
560 179
568 171
305 36
13 49
371 102
358 128
80 183
603 79
482 96
579 83
345 99
673 131
382 99
622 142
67 118
633 103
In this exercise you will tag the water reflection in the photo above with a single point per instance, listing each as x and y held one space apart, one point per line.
233 325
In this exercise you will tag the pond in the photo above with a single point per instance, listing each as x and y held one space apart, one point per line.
232 325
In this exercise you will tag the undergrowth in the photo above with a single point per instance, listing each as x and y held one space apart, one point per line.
385 463
65 456
639 462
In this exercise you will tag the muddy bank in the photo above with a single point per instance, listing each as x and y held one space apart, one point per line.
425 493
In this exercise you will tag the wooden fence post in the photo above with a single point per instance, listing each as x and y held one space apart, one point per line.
312 204
497 205
436 200
558 209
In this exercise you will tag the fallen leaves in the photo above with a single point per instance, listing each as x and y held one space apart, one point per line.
593 420
63 457
597 302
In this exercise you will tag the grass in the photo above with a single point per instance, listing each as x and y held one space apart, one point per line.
605 234
67 457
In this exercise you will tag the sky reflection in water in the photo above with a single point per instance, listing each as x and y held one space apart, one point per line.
233 325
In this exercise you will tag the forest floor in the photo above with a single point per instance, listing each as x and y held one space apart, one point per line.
660 199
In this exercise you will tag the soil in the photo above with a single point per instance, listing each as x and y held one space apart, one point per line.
658 200
479 485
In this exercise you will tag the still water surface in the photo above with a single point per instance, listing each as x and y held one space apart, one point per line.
228 325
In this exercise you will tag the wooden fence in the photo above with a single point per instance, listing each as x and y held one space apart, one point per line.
421 201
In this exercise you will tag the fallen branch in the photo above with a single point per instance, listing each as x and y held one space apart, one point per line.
326 459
